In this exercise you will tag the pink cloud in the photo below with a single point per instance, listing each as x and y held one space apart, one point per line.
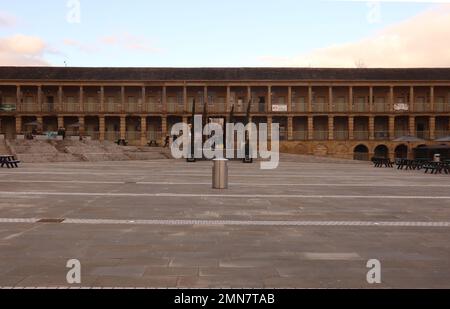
421 41
22 50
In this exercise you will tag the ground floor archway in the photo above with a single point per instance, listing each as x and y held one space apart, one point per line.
381 151
401 152
361 153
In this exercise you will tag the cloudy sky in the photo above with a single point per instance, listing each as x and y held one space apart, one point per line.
206 33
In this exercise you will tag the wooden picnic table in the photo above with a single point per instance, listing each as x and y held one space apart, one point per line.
8 160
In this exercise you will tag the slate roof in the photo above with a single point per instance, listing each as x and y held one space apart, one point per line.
220 74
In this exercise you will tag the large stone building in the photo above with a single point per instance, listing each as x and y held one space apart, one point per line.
338 112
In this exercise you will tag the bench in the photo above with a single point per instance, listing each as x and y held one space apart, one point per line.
9 161
380 162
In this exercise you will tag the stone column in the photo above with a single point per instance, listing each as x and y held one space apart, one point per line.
185 99
330 128
101 127
432 127
60 122
123 127
18 98
163 129
81 99
391 98
40 119
330 99
411 99
122 99
289 102
371 109
269 127
18 125
290 127
351 128
228 98
60 107
164 100
432 99
249 93
350 99
143 130
310 99
102 99
39 98
269 99
391 127
82 125
412 125
371 128
141 108
310 128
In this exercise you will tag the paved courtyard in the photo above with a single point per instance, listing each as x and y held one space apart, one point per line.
159 224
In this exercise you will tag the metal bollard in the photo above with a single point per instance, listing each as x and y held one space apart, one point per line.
220 174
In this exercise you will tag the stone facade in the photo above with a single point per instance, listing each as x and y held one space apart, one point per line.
350 113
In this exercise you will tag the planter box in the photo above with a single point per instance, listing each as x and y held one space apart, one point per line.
20 137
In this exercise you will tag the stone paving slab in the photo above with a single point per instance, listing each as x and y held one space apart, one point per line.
124 253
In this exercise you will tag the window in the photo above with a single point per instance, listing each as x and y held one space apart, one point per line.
71 100
131 100
110 100
420 100
29 99
91 100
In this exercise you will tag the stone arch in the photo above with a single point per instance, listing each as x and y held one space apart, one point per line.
361 153
381 151
401 151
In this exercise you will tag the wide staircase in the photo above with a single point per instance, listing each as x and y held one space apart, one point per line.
78 151
4 150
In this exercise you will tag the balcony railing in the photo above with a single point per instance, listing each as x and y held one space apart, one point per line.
132 107
380 107
320 107
341 107
48 107
381 135
361 135
341 135
299 107
300 135
421 107
113 108
361 107
175 108
92 107
321 135
29 107
71 107
152 108
442 107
